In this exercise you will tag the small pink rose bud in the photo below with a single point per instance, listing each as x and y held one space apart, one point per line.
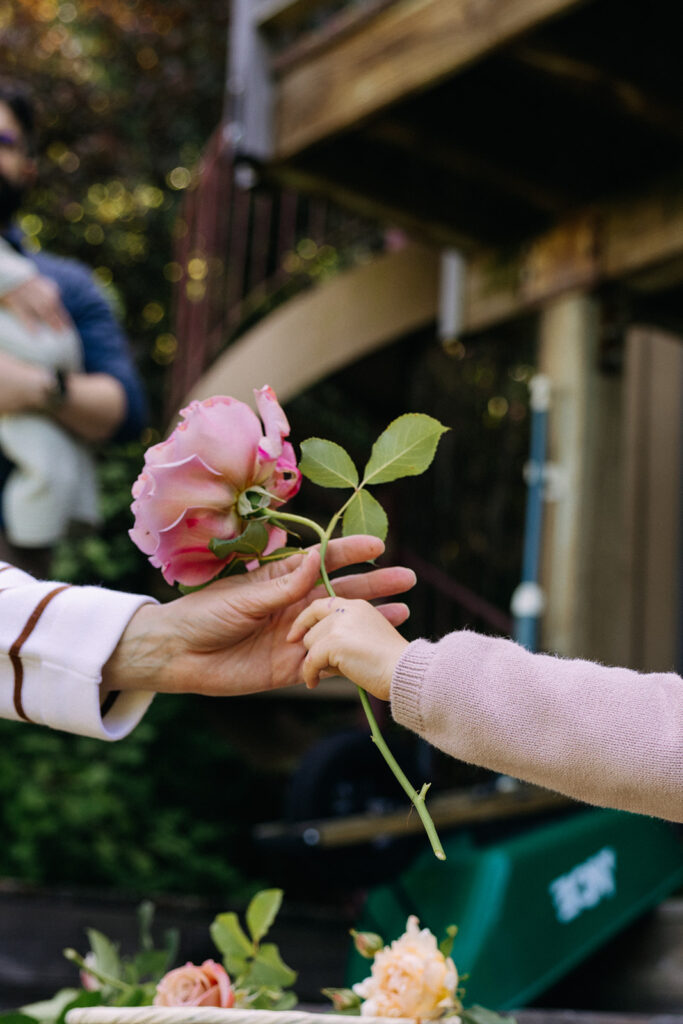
342 998
88 981
367 943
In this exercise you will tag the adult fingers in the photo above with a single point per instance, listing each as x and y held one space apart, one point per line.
345 551
396 613
275 586
375 583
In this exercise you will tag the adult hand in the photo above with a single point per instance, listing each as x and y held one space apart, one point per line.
22 385
230 637
35 302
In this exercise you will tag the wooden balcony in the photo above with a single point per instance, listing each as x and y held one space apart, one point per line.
468 121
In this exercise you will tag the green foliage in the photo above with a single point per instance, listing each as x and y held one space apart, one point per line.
115 980
406 448
79 811
446 945
52 1009
129 91
327 464
364 514
262 912
259 975
250 542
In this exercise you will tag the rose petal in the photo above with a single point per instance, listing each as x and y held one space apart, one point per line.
226 433
274 421
183 553
286 480
171 488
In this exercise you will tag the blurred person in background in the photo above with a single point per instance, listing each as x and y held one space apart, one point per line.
92 396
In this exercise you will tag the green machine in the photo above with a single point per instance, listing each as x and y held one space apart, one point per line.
530 908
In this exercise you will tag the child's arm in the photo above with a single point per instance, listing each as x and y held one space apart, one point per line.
349 638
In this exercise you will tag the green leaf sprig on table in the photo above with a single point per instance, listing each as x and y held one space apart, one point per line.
260 978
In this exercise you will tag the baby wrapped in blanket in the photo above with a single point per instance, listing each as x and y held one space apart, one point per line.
53 481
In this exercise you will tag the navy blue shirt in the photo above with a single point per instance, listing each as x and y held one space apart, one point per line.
105 347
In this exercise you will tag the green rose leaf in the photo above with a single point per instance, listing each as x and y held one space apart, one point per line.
262 911
47 1010
230 939
269 970
287 1001
82 1001
446 945
327 464
150 963
251 542
405 448
364 514
107 959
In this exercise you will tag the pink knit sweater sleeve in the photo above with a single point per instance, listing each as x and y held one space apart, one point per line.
608 736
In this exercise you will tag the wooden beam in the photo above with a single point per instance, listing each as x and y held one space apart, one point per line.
316 183
282 14
601 86
408 47
615 241
447 810
439 153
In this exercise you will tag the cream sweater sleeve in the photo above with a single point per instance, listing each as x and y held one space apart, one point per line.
54 641
608 736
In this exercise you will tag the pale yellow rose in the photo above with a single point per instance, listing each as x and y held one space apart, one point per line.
410 978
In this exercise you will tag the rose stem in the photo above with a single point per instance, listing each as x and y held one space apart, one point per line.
417 799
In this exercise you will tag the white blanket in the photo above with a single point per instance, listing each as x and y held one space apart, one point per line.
53 482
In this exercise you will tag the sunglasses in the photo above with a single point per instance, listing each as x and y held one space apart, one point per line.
9 140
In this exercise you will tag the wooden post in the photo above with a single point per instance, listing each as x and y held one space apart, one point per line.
583 567
654 404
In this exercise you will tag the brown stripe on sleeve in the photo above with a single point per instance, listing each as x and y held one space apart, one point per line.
14 650
109 701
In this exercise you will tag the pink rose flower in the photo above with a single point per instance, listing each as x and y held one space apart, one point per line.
190 486
208 985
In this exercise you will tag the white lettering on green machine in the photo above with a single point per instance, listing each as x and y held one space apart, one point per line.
584 886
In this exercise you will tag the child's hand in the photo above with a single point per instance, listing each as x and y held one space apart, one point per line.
348 638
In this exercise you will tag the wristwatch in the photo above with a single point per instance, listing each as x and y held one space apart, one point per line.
56 394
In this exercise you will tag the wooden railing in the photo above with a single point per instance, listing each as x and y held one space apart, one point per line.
243 250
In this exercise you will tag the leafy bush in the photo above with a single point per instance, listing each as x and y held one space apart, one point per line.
127 814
